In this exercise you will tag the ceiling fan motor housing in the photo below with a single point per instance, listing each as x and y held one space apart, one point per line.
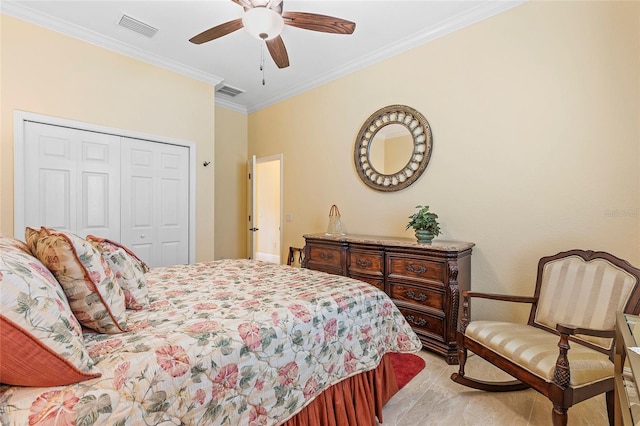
263 23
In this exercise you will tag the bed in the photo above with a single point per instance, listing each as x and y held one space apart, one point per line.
226 342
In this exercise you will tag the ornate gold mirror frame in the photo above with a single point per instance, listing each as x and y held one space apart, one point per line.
416 164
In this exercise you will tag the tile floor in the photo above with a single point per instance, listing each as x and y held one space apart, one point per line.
431 398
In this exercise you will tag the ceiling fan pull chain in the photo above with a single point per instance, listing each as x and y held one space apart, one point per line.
262 61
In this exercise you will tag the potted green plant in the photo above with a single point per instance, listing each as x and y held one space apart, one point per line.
425 224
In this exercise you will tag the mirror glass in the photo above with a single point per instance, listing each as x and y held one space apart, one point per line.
393 148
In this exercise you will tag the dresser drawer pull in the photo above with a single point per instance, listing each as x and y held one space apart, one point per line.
412 320
363 263
419 270
324 255
412 295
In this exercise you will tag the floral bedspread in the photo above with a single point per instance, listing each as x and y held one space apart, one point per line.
224 343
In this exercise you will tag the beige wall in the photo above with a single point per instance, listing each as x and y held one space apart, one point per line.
231 184
535 120
397 152
48 73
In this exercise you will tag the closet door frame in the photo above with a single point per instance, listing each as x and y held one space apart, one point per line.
19 119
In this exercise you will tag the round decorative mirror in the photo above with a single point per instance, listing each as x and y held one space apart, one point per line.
393 148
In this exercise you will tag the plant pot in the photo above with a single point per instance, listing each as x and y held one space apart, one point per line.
424 236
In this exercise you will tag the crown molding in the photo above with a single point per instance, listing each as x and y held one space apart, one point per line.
483 11
224 103
25 13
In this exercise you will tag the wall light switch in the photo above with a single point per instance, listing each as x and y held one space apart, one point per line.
289 217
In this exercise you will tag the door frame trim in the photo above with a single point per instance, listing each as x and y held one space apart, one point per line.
19 119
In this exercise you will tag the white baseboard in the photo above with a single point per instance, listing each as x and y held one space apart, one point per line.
267 257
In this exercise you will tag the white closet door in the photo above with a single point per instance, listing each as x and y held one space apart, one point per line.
155 207
72 180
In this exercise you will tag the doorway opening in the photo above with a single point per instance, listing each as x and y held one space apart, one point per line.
265 217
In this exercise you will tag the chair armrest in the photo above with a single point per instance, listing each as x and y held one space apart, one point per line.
572 330
466 303
501 297
562 372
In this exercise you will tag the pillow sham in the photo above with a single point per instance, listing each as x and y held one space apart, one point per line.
41 339
128 270
95 297
10 242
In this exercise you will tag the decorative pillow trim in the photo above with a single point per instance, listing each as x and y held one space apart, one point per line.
22 362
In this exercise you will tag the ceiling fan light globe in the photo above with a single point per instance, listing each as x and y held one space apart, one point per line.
262 23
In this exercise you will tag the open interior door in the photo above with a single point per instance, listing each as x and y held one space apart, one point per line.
251 208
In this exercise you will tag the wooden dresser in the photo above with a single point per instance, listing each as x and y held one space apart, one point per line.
423 280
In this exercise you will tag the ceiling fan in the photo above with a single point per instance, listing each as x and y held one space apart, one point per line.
264 19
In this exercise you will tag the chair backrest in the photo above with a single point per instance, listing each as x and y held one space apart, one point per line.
585 289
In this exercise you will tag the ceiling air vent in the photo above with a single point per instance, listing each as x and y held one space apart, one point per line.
137 26
229 90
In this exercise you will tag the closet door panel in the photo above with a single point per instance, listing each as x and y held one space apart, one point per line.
72 180
95 191
173 205
89 182
155 220
99 207
139 217
53 209
50 176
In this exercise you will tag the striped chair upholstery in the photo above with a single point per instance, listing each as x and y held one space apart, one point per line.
536 351
584 294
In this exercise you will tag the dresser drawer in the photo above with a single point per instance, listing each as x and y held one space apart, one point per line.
364 262
400 267
419 295
423 323
376 282
325 255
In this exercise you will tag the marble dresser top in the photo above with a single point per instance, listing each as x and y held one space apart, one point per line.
441 245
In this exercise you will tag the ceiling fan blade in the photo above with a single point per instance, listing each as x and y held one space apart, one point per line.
278 52
275 5
315 22
217 31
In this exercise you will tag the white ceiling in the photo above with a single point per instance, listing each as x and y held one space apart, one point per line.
383 29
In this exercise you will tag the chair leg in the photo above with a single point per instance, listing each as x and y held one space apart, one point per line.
462 359
610 406
559 416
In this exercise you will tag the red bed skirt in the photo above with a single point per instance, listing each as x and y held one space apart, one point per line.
357 400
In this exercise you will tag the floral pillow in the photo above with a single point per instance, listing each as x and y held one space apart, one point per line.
9 242
94 295
32 235
41 339
128 270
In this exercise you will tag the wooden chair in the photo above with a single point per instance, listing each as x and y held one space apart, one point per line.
565 351
291 258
